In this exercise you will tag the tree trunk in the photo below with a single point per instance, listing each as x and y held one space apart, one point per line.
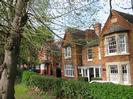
9 72
8 69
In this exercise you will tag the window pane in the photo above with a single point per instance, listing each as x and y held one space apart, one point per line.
113 69
124 68
97 72
89 53
69 70
112 44
122 43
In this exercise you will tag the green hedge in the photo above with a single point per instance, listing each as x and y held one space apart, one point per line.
71 89
61 88
26 76
111 91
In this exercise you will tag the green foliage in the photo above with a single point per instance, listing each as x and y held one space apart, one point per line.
26 76
96 78
81 90
42 82
60 87
83 79
76 90
111 91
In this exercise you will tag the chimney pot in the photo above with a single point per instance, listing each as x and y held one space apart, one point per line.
97 28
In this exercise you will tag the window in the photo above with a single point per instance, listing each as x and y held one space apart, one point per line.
67 52
69 71
122 44
112 44
90 54
84 72
116 44
97 70
113 69
124 68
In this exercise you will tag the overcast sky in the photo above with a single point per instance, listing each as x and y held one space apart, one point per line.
103 14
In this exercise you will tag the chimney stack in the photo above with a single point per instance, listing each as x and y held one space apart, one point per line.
97 28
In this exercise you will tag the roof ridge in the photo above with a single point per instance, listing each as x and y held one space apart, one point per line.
126 16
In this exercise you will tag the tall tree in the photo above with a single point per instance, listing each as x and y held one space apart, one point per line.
15 20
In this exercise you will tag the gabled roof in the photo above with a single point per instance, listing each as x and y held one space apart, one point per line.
116 29
80 37
126 16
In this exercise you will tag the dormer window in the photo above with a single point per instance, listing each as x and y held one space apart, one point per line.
90 54
67 52
116 44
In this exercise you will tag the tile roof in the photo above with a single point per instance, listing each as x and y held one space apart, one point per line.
126 16
116 29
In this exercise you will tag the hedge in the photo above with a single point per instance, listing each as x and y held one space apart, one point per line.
26 76
111 91
71 89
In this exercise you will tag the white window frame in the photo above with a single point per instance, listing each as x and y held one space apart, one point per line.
90 59
118 52
67 52
69 70
119 73
99 53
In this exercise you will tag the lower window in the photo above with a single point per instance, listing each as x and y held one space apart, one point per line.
69 71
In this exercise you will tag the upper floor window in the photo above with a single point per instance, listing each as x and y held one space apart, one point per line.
116 44
67 52
90 54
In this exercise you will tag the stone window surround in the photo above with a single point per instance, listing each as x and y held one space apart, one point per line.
114 54
70 68
119 65
67 52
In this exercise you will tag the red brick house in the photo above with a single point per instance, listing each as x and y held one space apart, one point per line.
50 58
117 50
77 58
106 53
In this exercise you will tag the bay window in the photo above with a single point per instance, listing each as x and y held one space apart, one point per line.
116 44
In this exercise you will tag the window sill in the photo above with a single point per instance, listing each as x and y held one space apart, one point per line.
90 59
68 76
117 54
68 57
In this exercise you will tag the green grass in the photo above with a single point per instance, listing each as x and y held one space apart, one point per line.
23 92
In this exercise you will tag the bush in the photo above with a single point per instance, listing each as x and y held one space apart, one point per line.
83 79
71 89
110 91
76 90
26 76
61 88
96 78
42 82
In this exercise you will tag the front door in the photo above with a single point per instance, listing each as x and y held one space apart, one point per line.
113 73
124 73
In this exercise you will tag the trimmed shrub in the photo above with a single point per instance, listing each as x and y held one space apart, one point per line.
110 91
26 76
42 82
96 78
76 90
83 79
71 89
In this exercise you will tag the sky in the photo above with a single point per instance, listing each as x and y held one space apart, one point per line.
101 16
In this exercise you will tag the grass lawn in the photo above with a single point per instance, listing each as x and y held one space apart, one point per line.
23 92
